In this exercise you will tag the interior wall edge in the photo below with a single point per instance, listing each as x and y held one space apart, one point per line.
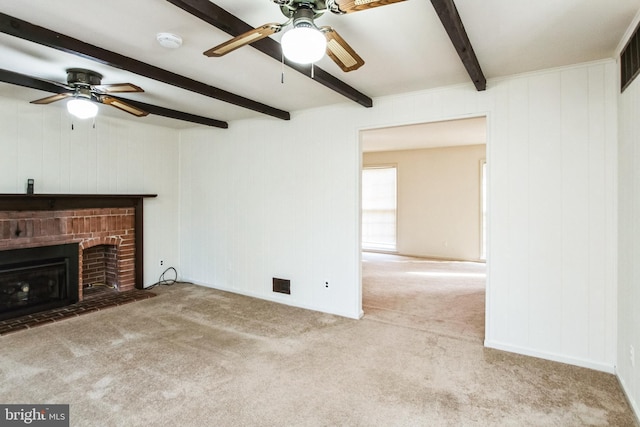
627 396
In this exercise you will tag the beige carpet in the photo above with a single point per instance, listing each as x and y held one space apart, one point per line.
437 296
193 356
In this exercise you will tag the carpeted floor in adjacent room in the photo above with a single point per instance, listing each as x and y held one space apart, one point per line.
194 356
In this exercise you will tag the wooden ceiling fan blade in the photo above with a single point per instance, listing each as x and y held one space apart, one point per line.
340 51
52 98
118 88
121 105
243 40
349 6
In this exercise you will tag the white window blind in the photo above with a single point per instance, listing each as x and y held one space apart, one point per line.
379 207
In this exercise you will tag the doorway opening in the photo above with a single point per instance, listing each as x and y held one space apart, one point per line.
433 272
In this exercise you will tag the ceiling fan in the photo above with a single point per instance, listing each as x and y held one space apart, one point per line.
85 88
297 48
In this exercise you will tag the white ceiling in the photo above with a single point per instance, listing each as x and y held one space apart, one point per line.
447 133
404 45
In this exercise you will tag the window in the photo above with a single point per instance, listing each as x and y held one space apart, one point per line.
379 206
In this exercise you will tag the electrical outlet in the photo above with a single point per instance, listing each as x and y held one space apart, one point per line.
161 262
326 284
632 356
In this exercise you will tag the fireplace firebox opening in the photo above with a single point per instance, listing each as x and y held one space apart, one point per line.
38 279
100 266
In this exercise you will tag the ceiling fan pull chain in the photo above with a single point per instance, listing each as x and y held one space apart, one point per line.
282 73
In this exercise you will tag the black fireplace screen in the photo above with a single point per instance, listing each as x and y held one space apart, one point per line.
37 279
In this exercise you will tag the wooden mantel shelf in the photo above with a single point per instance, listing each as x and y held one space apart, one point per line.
28 202
53 202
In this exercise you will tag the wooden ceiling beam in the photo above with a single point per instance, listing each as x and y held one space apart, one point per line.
35 83
30 82
175 114
230 24
448 14
27 31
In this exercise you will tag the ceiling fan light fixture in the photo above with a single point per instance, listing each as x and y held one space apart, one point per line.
304 45
82 108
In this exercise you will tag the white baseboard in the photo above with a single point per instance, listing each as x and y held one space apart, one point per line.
598 366
279 300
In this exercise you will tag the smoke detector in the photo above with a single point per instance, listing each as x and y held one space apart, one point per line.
168 40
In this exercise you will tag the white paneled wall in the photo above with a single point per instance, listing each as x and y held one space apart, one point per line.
260 202
629 243
269 198
115 157
552 289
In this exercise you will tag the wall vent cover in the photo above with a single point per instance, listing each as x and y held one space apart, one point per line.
282 286
630 61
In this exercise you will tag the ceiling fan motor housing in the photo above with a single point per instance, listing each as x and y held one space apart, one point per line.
303 18
302 10
81 77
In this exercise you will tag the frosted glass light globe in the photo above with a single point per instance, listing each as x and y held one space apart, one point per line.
82 108
303 45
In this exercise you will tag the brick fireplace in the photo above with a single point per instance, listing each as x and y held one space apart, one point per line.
89 228
106 228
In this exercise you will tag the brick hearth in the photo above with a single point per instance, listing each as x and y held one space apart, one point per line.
95 300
